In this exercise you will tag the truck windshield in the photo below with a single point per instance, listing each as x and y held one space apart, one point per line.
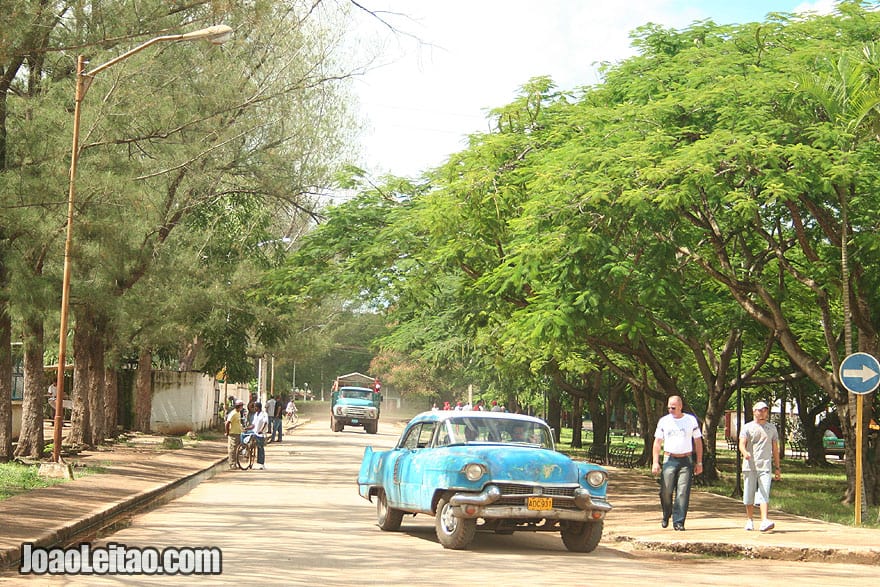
466 429
356 393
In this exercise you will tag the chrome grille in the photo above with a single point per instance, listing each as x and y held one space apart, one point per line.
515 494
355 412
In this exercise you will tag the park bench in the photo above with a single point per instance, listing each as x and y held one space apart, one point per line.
623 456
797 449
596 453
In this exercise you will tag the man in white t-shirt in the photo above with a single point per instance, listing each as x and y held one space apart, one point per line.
759 445
260 426
678 434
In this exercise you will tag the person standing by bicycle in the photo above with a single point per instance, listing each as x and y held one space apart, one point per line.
233 431
260 426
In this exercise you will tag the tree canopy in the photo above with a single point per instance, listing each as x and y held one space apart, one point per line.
715 192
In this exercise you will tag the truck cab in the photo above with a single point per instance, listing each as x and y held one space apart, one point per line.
355 405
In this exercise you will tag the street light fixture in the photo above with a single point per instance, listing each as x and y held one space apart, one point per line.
215 34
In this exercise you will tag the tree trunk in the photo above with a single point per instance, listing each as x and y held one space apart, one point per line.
80 427
188 354
577 422
30 441
111 404
714 416
554 412
97 403
599 419
96 325
5 372
647 423
143 396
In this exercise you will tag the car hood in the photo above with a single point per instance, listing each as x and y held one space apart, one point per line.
520 463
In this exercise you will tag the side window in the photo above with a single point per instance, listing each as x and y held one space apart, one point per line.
411 440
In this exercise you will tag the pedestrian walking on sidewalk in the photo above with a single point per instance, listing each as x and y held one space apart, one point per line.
759 446
233 431
260 426
679 436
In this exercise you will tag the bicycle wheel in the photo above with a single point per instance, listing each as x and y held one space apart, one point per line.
252 454
245 456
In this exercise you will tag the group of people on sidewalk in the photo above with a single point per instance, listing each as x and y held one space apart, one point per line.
257 421
679 439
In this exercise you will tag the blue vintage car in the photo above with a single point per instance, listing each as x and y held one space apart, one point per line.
491 471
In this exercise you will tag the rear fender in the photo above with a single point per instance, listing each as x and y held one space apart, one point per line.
368 474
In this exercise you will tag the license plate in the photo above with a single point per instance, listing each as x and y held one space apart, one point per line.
540 503
354 420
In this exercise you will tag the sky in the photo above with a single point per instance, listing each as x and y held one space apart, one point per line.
434 84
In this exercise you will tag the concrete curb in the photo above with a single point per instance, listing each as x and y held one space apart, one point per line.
769 552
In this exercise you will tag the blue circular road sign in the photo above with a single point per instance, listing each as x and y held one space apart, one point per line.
860 373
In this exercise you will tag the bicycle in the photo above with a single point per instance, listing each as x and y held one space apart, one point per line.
246 454
291 418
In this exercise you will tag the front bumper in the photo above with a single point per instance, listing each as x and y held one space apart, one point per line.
485 505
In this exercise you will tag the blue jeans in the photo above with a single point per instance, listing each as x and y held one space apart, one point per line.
261 450
277 428
676 475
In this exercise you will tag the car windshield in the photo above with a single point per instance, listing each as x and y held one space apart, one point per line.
355 393
464 429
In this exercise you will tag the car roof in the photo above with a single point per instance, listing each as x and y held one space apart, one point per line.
443 415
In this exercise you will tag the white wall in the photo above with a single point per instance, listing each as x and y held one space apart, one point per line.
183 402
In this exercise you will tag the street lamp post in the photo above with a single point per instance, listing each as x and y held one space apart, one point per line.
738 490
215 34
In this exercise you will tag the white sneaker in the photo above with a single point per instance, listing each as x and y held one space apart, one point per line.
767 525
262 466
750 525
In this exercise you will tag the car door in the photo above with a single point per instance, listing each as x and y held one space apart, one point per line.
411 469
392 467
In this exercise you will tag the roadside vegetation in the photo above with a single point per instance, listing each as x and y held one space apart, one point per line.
701 221
17 478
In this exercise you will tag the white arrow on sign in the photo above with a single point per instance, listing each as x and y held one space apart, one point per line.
864 373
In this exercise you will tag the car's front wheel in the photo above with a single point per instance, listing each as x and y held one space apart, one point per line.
454 533
582 536
389 518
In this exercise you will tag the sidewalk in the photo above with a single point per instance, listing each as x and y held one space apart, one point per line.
141 475
715 526
133 478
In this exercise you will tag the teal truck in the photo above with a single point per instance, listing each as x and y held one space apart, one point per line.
355 401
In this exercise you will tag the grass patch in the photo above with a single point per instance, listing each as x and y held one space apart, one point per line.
16 479
812 492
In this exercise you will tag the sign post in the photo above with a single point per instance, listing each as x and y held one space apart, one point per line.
859 374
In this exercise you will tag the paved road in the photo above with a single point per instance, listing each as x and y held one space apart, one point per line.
301 522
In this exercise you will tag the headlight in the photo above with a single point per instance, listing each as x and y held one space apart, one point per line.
474 471
596 478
